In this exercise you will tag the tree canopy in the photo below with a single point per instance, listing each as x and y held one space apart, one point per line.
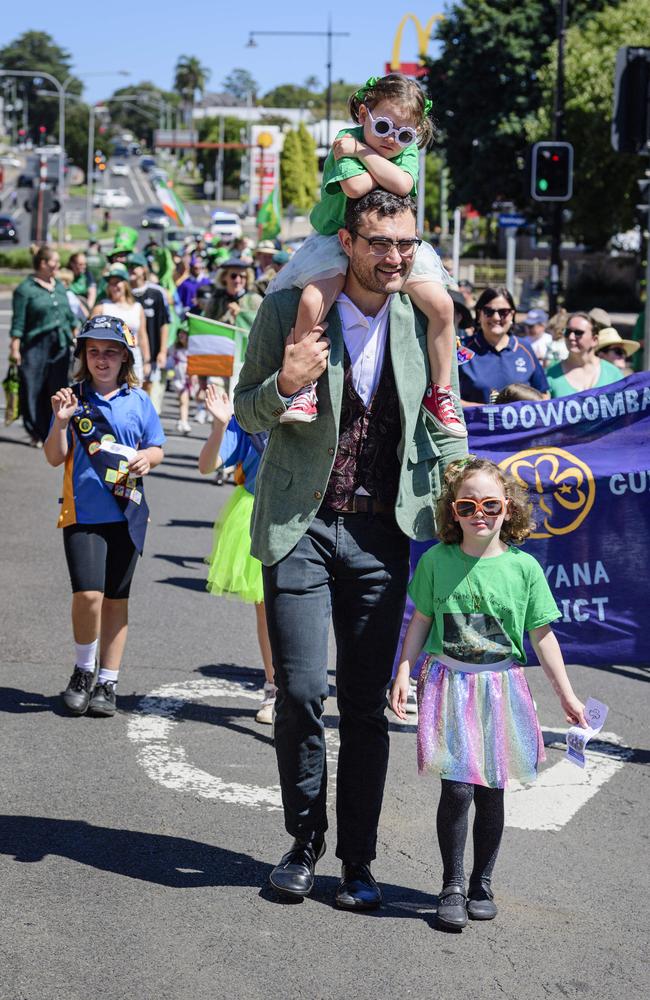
240 83
604 181
37 50
485 85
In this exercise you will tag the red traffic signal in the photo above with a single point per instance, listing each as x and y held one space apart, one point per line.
551 177
42 129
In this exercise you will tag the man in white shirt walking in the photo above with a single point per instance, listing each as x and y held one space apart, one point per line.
335 503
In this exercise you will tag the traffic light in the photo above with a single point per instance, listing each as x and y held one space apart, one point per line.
551 177
631 120
41 134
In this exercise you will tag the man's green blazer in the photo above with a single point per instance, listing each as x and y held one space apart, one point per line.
298 458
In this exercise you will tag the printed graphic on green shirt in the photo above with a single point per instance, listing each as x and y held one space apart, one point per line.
474 638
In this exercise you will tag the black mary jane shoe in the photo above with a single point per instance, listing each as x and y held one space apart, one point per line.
357 889
480 902
294 875
452 907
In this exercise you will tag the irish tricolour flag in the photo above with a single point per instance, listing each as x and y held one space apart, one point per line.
214 348
171 203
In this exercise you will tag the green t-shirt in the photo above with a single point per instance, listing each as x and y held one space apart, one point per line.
559 385
481 607
328 216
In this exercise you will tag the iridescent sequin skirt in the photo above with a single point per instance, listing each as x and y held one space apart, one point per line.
478 727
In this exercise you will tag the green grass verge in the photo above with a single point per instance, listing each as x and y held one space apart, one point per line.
80 231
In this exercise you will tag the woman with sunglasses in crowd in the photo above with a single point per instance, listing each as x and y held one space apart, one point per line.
381 151
582 369
475 596
499 358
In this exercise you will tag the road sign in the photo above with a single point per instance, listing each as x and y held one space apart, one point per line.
509 219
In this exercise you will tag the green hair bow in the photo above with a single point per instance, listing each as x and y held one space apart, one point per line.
371 82
428 107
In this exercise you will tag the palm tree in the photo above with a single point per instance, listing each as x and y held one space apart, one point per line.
190 76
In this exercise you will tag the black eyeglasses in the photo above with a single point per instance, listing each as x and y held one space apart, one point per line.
576 333
500 313
618 352
236 274
381 246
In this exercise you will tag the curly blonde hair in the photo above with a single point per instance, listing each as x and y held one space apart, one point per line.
515 530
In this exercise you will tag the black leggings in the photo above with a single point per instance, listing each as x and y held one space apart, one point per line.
100 557
455 800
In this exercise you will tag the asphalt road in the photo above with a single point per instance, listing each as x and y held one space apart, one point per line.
134 852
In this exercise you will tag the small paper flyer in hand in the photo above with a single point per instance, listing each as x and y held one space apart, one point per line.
123 450
577 738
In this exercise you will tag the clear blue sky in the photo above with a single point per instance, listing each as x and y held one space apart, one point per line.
147 38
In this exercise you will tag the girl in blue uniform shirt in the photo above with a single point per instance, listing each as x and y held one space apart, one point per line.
234 572
109 436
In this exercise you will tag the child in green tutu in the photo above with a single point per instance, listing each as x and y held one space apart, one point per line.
234 572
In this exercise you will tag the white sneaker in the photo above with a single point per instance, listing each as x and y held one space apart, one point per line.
185 426
265 713
412 700
180 427
201 415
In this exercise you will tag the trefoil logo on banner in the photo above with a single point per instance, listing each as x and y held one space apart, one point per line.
561 486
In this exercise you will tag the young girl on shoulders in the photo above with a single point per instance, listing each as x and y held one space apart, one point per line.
475 596
234 572
382 151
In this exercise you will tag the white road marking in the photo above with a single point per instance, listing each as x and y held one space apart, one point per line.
562 789
154 727
557 795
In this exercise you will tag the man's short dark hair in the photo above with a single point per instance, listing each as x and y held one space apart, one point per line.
382 202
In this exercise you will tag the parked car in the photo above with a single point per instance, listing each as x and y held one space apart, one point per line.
120 169
154 218
226 225
10 161
147 164
8 229
112 198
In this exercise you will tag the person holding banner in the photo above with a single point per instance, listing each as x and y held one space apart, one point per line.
498 357
475 596
582 369
109 436
234 572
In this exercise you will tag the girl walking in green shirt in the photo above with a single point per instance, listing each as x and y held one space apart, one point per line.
392 116
475 597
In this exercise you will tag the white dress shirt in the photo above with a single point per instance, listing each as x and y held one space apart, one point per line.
365 339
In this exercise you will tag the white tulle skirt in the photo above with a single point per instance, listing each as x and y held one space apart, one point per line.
322 257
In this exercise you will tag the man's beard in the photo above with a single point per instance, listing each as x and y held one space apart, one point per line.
369 280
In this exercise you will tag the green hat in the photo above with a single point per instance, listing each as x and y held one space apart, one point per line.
118 271
137 260
281 257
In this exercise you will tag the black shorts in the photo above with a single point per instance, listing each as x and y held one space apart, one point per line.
100 557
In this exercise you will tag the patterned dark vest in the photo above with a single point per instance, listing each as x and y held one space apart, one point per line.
368 440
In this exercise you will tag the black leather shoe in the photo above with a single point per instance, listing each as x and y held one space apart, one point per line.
77 694
480 902
452 907
102 700
294 876
357 889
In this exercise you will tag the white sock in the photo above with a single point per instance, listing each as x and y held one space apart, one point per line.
107 675
84 656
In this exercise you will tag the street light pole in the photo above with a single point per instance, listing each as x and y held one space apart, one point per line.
558 134
329 34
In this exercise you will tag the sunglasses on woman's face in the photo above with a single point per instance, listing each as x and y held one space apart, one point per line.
236 274
499 313
576 333
382 126
490 506
618 352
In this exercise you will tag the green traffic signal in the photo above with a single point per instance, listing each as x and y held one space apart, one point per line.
542 184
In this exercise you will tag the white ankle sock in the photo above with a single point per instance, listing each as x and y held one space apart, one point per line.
84 655
107 675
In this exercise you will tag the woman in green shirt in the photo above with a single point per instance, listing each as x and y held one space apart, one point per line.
42 332
582 369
